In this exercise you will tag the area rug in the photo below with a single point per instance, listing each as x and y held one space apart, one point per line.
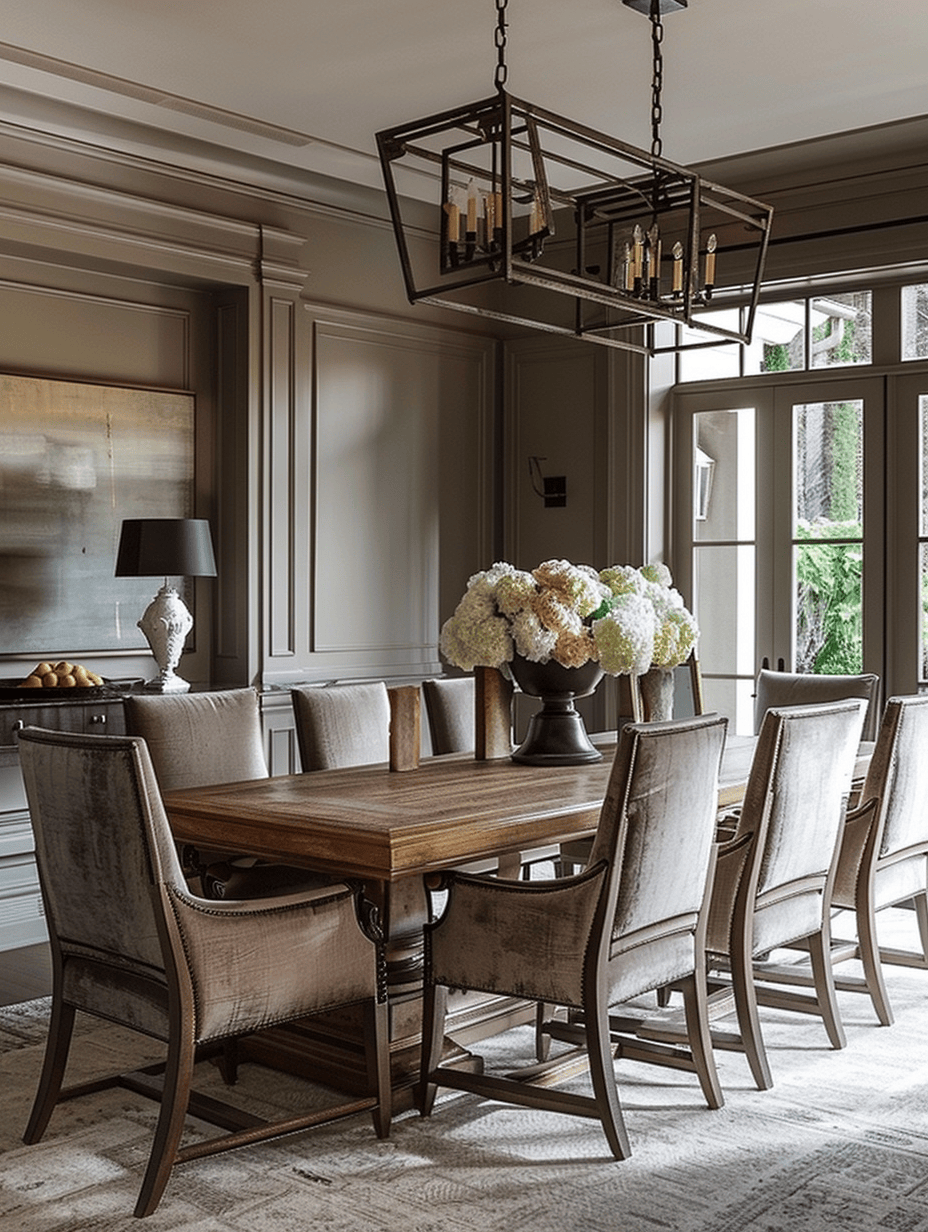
840 1144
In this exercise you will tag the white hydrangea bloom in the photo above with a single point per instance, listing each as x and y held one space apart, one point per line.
532 640
622 580
625 636
657 572
469 640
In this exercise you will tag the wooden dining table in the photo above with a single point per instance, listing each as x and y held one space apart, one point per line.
390 830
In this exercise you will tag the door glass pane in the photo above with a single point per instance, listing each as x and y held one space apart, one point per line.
923 614
915 322
723 601
723 604
841 330
923 533
923 463
778 341
828 537
723 475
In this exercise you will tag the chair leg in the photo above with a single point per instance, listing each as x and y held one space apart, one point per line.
542 1038
434 1004
602 1075
823 977
228 1062
869 949
752 1039
696 1010
174 1099
57 1045
377 1050
921 914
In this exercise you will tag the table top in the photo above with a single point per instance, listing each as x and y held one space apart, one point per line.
369 822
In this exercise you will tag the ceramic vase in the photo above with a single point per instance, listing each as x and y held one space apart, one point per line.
657 694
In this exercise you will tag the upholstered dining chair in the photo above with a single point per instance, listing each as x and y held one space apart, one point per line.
775 688
342 725
450 707
195 740
184 970
774 876
883 857
632 921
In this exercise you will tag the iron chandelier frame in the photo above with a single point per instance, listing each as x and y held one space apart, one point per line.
550 225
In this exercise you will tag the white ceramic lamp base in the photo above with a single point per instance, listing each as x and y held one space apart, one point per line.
166 623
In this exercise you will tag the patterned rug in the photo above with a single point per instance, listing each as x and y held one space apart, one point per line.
840 1144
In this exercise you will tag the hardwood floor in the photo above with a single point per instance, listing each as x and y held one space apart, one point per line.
25 973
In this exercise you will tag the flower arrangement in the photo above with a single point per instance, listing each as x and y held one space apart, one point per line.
626 619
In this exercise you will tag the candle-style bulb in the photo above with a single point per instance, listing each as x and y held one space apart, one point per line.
452 209
470 234
629 268
711 245
654 262
677 284
637 257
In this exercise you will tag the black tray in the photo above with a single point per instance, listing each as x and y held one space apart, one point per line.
12 691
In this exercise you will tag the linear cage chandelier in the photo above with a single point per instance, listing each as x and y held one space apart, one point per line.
550 225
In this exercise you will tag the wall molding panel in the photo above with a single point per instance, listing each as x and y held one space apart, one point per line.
391 410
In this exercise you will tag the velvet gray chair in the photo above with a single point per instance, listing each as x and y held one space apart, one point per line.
883 859
450 707
774 877
808 688
631 922
195 740
342 725
132 945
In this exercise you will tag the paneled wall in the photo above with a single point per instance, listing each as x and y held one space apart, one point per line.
379 483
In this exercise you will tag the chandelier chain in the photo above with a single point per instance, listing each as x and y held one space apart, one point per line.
502 71
657 78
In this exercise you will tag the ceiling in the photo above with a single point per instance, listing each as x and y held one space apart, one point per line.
306 84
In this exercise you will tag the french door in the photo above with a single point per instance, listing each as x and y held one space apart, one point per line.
779 529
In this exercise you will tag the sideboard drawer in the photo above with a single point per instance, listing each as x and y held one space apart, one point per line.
101 717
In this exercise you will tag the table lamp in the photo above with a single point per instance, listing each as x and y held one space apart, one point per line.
166 547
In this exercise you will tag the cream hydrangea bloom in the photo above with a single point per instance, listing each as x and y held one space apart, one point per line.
554 614
577 586
575 649
515 592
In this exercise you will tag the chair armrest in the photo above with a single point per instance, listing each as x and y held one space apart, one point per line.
858 823
729 869
518 938
251 964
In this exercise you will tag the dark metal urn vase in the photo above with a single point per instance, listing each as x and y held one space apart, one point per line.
556 735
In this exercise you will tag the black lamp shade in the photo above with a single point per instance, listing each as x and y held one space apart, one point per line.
165 547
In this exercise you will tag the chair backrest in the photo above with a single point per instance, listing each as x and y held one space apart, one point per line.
197 739
794 806
898 775
102 842
657 827
807 688
450 706
342 725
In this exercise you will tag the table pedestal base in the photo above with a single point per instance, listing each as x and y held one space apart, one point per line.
328 1048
